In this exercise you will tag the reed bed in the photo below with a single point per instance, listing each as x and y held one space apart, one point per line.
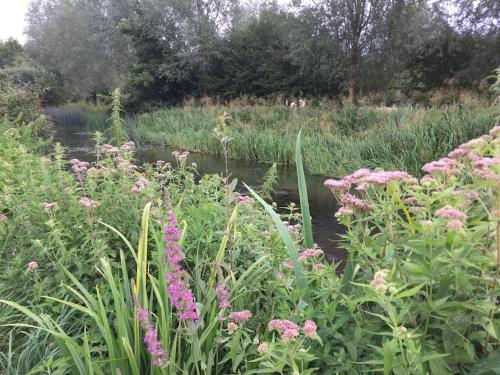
335 141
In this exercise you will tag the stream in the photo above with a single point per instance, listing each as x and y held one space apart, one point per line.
322 203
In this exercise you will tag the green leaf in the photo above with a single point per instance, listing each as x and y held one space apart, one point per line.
390 349
287 239
304 200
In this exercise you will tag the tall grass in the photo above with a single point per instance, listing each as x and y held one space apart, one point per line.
80 116
335 142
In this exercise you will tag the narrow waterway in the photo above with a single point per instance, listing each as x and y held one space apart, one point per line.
322 204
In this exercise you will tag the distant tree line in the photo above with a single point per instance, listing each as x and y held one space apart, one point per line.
163 51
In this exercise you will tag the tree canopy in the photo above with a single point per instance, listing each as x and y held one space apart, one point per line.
164 51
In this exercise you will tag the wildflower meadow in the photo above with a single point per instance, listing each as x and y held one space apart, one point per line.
113 267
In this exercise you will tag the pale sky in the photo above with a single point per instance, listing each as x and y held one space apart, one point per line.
12 19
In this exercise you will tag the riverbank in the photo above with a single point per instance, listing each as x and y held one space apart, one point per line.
336 141
222 283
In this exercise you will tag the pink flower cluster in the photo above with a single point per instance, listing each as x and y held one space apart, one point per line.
293 229
362 178
353 203
109 149
244 200
495 132
451 213
309 328
237 317
288 330
124 164
79 167
180 156
151 338
89 203
445 166
310 253
32 266
47 207
484 168
101 170
240 316
379 282
222 294
140 185
126 147
181 296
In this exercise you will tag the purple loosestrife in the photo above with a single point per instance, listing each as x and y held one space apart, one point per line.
151 338
222 295
180 295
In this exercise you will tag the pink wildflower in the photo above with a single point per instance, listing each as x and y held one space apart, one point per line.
139 185
262 348
451 213
289 335
383 177
151 338
180 156
454 225
473 144
337 185
181 296
280 275
244 200
308 253
232 327
344 211
109 149
444 166
487 162
352 202
495 132
310 328
222 295
32 266
129 146
47 207
318 267
286 328
89 203
79 167
240 316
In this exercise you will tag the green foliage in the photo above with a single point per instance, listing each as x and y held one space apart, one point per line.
118 134
420 295
334 141
270 182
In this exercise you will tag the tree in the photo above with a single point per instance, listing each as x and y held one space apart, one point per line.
10 51
80 40
176 43
354 23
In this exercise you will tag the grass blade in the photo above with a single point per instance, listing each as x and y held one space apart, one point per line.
304 200
287 239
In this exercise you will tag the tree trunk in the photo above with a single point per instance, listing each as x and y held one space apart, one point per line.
354 74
